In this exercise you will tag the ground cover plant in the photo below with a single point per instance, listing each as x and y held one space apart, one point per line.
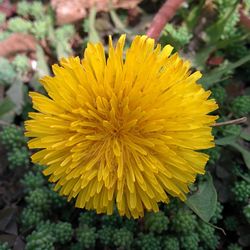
214 36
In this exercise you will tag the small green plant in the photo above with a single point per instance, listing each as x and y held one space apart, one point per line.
21 64
18 24
4 246
156 222
241 105
241 191
7 72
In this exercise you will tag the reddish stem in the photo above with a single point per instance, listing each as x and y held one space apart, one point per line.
165 13
244 19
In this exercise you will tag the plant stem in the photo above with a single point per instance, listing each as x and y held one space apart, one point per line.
165 13
235 121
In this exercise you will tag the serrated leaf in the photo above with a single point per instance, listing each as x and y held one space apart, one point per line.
231 141
194 15
244 135
203 202
215 30
5 106
218 73
225 140
16 95
42 67
245 153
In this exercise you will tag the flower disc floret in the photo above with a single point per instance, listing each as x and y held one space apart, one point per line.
122 130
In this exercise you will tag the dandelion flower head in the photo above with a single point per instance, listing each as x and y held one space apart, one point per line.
122 130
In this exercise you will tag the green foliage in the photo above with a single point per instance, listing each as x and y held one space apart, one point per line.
86 236
63 35
2 18
30 217
148 242
7 72
237 169
32 181
156 222
6 105
130 224
178 37
123 238
241 105
170 243
234 246
36 9
203 201
184 221
230 26
214 154
190 241
217 213
4 35
236 50
246 212
231 130
208 238
224 27
231 223
241 191
38 199
63 232
18 24
105 235
87 218
21 63
4 246
40 29
40 239
114 220
23 8
18 157
219 94
56 200
65 32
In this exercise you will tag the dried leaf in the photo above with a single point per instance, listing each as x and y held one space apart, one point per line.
19 43
68 11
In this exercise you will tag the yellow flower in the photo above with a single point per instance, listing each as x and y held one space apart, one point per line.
122 131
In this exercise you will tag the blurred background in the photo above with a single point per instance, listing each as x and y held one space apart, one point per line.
214 35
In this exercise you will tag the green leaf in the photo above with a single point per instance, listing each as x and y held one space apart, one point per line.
194 15
201 57
216 75
203 202
16 95
117 21
244 135
226 140
93 35
5 106
231 141
245 153
63 49
215 30
42 66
